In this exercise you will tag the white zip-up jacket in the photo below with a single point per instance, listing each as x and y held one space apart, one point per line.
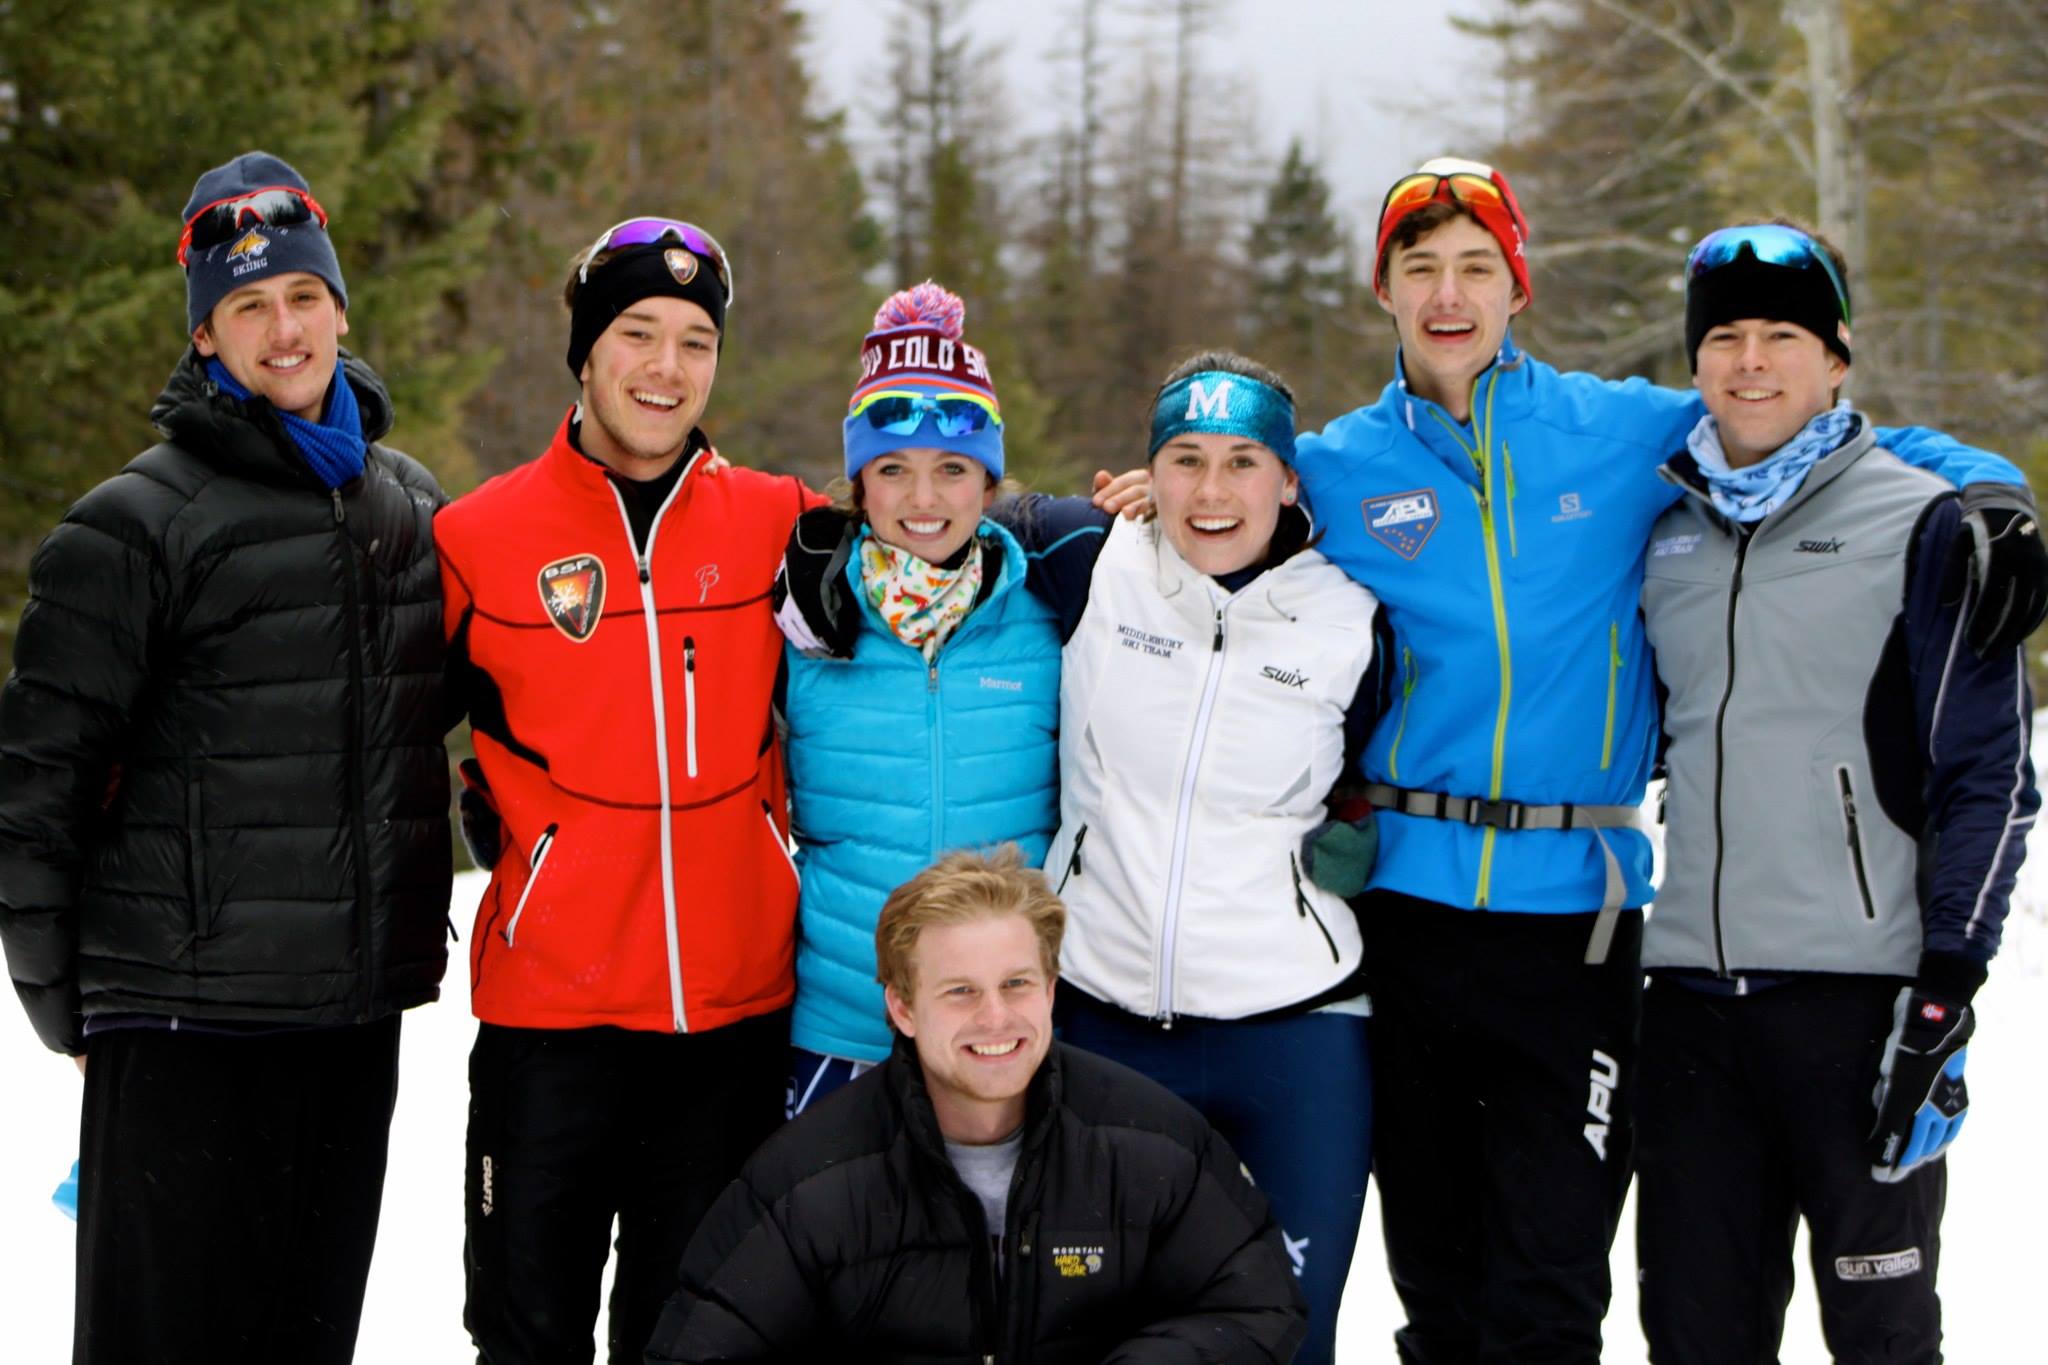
1199 734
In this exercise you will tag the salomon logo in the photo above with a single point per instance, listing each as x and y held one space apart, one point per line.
1286 677
1818 547
1606 1075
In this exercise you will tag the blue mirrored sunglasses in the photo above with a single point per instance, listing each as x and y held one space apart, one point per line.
900 414
1771 243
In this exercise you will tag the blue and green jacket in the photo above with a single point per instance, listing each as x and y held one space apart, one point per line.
892 763
1507 553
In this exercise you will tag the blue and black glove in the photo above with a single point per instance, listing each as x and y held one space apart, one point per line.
2007 566
1920 1095
812 606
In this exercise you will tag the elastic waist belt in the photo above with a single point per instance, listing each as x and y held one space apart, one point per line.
1513 815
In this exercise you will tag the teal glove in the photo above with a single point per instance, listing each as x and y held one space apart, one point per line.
1338 855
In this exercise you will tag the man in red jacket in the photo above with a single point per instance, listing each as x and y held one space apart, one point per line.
631 968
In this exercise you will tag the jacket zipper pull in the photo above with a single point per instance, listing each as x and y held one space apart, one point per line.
338 517
646 575
1219 629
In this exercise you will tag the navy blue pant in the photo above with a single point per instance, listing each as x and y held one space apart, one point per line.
813 1076
1293 1098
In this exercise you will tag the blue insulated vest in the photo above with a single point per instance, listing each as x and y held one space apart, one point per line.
892 763
1509 554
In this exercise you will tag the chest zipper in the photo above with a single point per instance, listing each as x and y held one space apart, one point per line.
1853 831
1408 677
534 862
690 705
1613 679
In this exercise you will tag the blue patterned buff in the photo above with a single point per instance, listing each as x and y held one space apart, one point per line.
1218 401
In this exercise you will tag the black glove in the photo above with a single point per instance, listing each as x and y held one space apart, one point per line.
1920 1095
1338 855
482 832
2006 564
812 607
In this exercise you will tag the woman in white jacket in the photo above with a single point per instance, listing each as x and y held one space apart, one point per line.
1217 668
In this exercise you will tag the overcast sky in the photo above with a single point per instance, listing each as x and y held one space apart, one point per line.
1355 79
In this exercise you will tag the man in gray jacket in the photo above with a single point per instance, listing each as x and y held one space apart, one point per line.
1848 805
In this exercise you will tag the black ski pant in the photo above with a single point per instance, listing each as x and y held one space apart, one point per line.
1756 1110
228 1193
1503 1082
569 1128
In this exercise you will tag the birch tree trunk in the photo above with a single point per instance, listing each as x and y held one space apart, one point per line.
1839 173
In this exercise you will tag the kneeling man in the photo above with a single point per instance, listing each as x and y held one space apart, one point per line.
986 1193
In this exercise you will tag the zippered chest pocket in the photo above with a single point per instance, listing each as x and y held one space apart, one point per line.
1845 788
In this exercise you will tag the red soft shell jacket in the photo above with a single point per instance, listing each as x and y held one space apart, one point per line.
621 713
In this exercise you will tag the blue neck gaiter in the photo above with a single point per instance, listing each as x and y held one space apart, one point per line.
332 447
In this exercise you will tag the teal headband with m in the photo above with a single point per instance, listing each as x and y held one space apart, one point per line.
1230 404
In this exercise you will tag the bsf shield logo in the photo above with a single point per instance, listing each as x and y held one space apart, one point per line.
681 264
572 590
1403 522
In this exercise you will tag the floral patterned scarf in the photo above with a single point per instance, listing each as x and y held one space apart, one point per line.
921 602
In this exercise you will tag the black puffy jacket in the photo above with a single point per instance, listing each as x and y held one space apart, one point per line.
1134 1236
223 793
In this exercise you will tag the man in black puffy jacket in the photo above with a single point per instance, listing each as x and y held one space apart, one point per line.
986 1194
224 847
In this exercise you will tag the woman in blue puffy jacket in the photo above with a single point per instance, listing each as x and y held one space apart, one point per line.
941 730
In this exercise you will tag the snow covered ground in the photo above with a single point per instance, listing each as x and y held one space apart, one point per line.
1998 1191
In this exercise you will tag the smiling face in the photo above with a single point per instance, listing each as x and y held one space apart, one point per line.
1451 295
279 339
1763 381
1219 498
645 385
925 501
980 1012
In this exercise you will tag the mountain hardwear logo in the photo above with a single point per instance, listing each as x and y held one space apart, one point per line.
1403 522
1073 1263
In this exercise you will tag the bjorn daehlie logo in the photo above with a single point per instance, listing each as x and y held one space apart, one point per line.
1818 547
1403 522
572 591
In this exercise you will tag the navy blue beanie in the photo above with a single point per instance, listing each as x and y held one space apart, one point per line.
261 252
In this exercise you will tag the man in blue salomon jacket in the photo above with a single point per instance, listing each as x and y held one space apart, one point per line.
1499 509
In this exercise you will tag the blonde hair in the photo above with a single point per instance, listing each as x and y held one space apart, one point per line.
958 889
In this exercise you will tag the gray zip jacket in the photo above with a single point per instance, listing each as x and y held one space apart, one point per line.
1849 786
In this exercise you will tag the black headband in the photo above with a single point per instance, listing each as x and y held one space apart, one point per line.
636 273
1749 288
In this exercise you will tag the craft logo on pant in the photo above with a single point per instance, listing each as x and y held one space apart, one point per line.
1606 1075
1885 1265
1403 522
486 1205
572 590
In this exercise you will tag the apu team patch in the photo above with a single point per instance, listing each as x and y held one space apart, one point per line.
572 590
1403 522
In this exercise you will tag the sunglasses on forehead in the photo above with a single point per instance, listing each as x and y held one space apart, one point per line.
1468 183
1770 243
647 231
271 206
900 413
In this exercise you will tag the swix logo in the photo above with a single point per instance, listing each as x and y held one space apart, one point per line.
1202 403
707 578
1297 1252
1606 1075
1286 677
1403 522
1818 547
485 1206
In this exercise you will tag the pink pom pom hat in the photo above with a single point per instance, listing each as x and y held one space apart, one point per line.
922 385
